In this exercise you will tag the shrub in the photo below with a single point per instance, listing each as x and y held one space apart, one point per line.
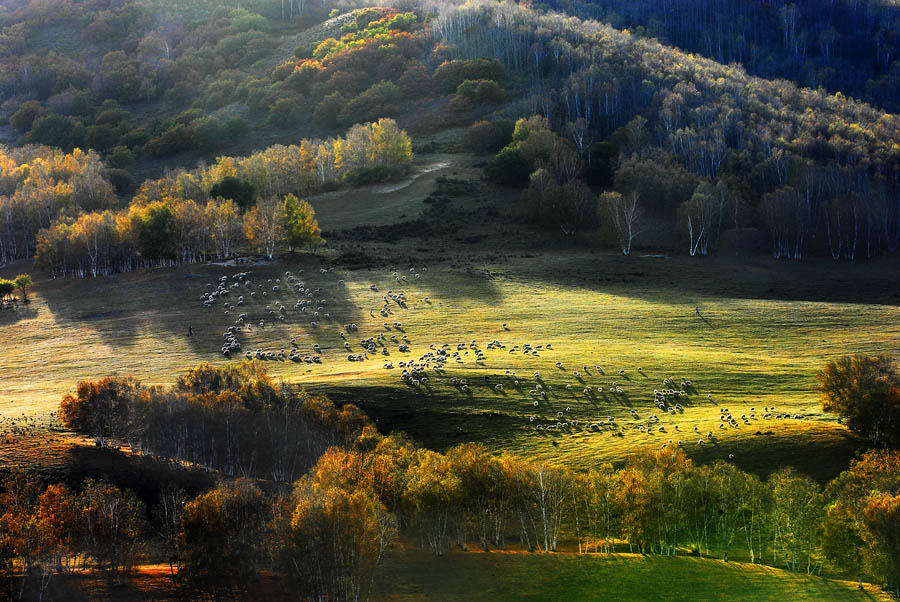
25 115
482 91
509 168
176 139
236 127
451 74
284 112
380 100
327 111
486 137
57 130
119 157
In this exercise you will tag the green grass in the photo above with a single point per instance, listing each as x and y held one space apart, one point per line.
756 352
471 577
766 328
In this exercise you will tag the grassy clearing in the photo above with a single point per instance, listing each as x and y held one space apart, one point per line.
750 352
764 330
471 577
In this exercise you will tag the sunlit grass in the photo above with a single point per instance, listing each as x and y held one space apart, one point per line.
746 352
496 577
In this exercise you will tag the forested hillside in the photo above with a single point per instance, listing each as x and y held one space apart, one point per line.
840 45
817 171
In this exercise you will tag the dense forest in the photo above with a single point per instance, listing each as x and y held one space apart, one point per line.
838 45
685 141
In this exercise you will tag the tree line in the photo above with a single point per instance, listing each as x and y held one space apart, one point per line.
330 532
233 419
185 216
842 45
818 172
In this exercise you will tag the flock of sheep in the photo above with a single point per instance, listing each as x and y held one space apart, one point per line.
552 397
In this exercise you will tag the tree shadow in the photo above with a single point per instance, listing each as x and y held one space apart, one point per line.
690 279
12 314
123 308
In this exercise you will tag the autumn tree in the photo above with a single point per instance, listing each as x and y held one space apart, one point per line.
335 539
263 225
300 226
881 517
98 407
113 522
865 391
432 498
222 537
224 221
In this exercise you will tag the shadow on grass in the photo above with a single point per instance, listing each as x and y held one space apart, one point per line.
145 476
123 307
12 315
689 280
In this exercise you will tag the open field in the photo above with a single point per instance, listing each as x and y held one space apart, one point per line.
411 576
497 576
749 350
762 331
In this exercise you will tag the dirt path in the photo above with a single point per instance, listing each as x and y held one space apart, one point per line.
394 187
391 202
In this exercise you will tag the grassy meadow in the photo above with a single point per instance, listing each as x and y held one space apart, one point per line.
514 576
758 341
746 333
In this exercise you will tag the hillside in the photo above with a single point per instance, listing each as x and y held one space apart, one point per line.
427 300
844 47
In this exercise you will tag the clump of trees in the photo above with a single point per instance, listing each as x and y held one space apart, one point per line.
52 529
357 491
865 391
177 218
841 46
8 287
234 419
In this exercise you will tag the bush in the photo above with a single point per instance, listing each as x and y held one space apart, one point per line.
381 100
57 130
509 168
208 134
101 137
236 128
135 138
451 74
327 111
250 21
120 157
27 112
240 191
176 139
482 91
373 175
486 137
284 112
